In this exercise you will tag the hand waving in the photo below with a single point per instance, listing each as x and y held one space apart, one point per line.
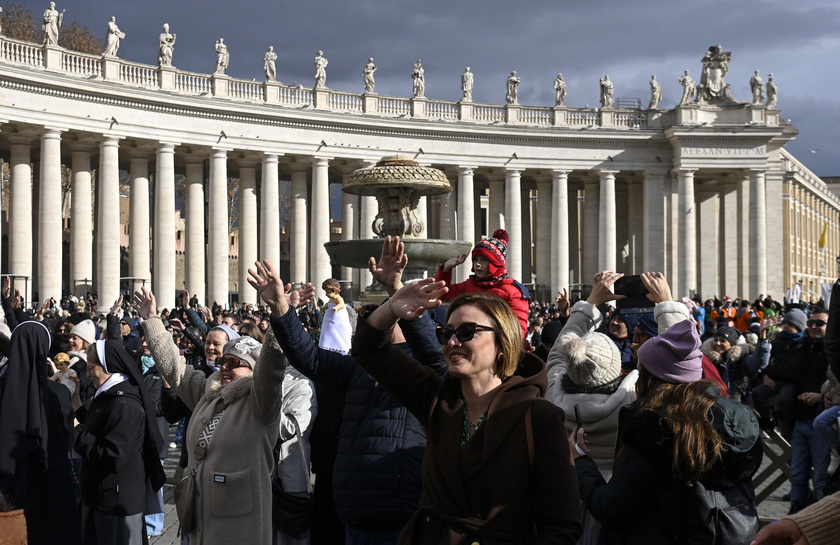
392 262
146 304
269 286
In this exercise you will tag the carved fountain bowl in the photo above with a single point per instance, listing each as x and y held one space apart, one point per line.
397 172
423 253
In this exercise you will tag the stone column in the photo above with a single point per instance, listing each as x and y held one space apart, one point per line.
163 256
269 211
247 228
591 231
81 223
108 224
20 214
607 233
195 247
559 264
298 239
50 229
728 240
758 235
138 231
218 268
708 266
688 233
368 208
635 226
654 221
672 214
466 215
349 227
744 237
320 224
496 207
513 222
544 243
447 227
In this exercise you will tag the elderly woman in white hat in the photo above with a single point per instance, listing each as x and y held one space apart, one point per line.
232 433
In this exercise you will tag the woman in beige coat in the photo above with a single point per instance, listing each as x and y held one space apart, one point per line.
240 405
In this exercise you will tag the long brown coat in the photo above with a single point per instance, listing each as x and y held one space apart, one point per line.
486 491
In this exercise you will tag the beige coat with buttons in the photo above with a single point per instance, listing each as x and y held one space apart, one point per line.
233 481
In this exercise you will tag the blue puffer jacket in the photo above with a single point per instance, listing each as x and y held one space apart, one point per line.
377 475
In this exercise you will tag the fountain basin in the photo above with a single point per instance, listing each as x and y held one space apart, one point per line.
423 253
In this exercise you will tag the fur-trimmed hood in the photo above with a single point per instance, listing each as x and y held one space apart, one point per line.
736 353
232 391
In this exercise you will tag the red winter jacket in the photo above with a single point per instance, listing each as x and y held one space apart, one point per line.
515 294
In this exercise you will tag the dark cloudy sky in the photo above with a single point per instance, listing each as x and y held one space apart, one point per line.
797 40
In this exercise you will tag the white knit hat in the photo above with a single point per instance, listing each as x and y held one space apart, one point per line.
593 359
85 330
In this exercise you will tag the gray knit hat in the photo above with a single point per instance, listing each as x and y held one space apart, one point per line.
593 359
796 318
244 348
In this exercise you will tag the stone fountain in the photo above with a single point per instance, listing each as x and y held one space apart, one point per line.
397 182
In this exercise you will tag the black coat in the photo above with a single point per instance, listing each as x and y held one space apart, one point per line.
643 503
110 441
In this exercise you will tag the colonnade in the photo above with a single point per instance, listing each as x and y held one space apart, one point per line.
587 219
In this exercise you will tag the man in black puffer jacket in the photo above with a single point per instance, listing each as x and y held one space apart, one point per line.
377 473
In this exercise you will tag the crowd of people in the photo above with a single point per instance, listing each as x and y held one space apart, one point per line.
449 413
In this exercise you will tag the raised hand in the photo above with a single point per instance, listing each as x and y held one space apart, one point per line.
453 262
602 288
146 303
7 287
301 296
17 300
657 286
389 270
269 286
563 302
117 305
185 299
410 301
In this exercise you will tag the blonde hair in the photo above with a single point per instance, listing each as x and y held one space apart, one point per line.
505 326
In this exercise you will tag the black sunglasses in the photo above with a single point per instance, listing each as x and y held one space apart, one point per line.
818 323
232 362
464 332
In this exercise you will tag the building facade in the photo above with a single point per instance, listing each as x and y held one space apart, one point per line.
704 192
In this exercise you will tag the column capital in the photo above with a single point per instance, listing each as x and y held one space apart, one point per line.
247 163
110 140
220 151
52 132
602 172
80 146
560 173
166 147
686 171
299 167
513 170
466 170
20 139
271 157
321 161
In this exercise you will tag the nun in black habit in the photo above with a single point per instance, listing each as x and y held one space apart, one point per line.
35 434
118 439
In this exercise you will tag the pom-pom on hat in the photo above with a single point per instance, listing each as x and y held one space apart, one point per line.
593 360
674 356
495 250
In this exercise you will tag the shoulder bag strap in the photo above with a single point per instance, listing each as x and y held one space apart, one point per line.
303 463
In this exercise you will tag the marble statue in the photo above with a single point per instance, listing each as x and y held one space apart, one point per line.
166 46
757 88
772 92
320 70
222 57
419 79
368 72
112 42
560 90
713 88
688 88
511 96
270 68
655 93
606 92
51 24
467 85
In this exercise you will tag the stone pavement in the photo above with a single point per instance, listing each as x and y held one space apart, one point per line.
773 508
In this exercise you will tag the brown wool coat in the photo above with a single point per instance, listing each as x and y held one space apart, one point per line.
486 492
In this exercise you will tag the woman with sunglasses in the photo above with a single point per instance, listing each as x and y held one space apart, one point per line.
232 432
496 467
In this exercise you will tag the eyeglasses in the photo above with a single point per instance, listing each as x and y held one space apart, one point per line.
232 362
818 323
464 332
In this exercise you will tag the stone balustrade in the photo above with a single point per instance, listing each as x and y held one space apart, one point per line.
116 70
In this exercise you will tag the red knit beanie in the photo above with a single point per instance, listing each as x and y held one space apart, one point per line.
495 250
